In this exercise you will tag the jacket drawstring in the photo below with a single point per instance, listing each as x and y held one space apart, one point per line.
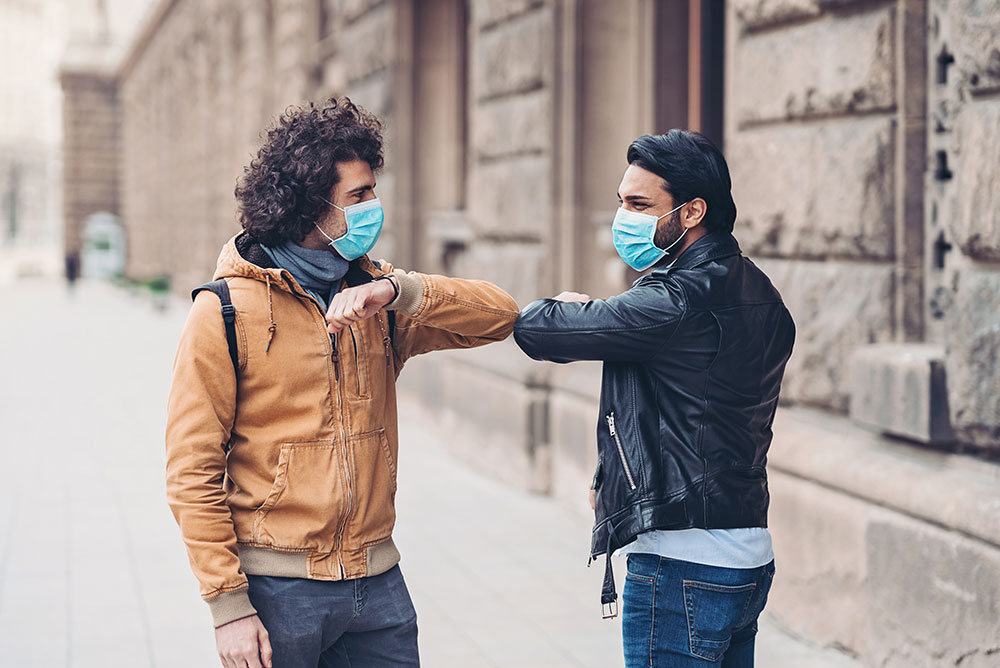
270 314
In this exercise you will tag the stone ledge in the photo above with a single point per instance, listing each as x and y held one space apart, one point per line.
899 388
951 491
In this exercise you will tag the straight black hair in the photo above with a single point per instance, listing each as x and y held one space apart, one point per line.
691 166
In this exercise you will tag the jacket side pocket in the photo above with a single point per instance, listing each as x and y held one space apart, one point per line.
307 501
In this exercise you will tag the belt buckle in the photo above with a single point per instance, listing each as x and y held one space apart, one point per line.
609 610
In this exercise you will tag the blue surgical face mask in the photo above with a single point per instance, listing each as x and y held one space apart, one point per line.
364 225
633 233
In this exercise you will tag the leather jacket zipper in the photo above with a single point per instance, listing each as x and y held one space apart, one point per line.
621 449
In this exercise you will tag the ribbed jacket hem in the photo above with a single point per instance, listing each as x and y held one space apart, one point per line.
256 560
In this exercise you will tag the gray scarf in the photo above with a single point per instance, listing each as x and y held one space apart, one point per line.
319 272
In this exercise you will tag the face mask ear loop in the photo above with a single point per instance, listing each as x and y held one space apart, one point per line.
674 209
332 204
332 240
686 229
324 233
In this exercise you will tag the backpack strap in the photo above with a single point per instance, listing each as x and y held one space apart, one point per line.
221 289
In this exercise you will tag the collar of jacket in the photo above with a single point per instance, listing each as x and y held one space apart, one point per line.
712 246
243 256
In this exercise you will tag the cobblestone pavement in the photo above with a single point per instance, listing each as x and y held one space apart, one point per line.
92 569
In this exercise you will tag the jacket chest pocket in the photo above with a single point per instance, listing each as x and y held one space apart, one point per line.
360 352
369 346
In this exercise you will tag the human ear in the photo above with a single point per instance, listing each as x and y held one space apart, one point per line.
694 212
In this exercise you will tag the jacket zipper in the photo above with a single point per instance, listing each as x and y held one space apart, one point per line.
621 450
340 423
347 468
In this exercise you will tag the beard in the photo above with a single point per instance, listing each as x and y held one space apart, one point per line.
669 232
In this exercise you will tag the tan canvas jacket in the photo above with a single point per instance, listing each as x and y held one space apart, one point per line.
289 469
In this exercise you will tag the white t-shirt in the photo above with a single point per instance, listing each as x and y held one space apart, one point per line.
726 548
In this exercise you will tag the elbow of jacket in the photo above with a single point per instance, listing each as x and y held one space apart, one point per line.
510 304
526 343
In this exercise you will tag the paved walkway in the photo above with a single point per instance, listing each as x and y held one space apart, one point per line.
92 569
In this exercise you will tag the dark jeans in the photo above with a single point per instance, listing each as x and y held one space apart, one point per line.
677 614
349 624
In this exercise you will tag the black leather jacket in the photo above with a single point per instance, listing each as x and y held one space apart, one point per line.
693 358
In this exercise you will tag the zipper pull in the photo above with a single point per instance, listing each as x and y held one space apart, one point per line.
386 341
611 423
336 361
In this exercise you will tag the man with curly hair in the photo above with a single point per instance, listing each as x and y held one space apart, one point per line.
281 450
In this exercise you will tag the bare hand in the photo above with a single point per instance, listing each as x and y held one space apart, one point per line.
243 643
572 297
593 499
358 303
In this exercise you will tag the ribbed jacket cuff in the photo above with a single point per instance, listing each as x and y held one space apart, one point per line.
411 293
230 606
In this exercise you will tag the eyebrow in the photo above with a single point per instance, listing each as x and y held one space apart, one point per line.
359 190
633 198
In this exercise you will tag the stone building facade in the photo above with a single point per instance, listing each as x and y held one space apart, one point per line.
864 141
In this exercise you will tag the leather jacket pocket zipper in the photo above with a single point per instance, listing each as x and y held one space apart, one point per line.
621 450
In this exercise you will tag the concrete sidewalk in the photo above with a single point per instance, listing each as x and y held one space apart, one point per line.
92 569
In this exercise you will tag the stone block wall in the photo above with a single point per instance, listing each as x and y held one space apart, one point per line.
889 553
813 146
862 140
864 170
199 86
963 244
510 176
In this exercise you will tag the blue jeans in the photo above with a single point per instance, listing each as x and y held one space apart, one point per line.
347 624
677 614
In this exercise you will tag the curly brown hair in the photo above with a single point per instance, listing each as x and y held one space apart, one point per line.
281 194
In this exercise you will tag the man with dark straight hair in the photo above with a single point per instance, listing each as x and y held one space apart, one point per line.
693 359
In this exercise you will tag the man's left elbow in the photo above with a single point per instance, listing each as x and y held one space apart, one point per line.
525 342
